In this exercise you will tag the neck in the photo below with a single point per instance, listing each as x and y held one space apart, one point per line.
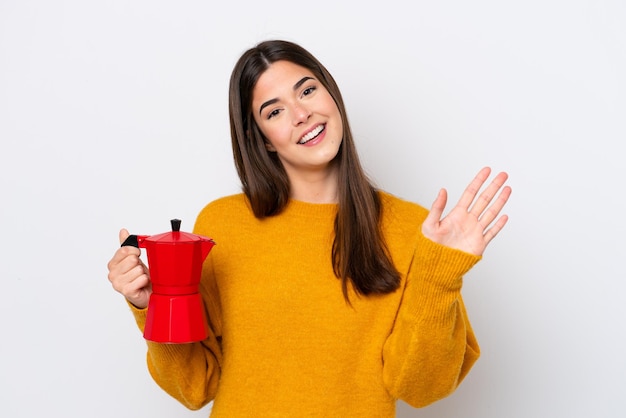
315 187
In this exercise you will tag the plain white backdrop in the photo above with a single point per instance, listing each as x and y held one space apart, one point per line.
114 114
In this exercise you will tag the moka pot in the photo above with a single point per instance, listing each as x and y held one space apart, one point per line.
175 311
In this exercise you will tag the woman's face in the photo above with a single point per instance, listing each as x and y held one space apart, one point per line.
298 116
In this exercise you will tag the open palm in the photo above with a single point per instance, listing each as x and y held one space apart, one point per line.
473 222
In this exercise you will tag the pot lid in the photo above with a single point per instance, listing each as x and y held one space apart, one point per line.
176 236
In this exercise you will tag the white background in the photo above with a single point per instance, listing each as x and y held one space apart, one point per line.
114 114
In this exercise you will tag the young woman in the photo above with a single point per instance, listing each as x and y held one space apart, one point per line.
325 296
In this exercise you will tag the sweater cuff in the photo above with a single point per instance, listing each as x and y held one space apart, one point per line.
435 282
443 267
139 314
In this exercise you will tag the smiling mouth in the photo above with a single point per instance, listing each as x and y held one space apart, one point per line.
311 135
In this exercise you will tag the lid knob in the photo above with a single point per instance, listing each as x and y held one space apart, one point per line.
175 224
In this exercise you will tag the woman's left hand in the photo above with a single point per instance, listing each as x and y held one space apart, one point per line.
470 224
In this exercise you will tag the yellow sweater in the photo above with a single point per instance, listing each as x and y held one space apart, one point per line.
284 341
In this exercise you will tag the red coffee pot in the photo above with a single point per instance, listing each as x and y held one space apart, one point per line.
175 310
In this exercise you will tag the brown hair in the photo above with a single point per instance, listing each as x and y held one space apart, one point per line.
359 254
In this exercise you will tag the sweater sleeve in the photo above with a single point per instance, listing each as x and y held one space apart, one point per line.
432 346
188 372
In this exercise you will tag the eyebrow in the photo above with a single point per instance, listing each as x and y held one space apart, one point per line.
295 87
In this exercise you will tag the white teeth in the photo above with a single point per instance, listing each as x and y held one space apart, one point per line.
315 132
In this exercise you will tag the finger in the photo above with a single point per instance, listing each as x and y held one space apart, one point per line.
495 229
124 251
121 254
473 188
438 206
132 283
488 194
122 263
494 210
123 235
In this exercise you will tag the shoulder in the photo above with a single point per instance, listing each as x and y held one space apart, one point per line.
232 202
401 212
223 211
401 224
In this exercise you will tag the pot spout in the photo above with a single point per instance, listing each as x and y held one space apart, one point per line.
207 244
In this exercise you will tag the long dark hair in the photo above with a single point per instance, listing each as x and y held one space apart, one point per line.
359 254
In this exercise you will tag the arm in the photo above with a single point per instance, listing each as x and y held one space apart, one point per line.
188 372
432 346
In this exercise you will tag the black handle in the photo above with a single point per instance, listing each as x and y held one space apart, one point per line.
131 240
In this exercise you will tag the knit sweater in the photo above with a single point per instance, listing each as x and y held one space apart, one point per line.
285 343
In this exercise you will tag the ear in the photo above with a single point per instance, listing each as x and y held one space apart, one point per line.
269 147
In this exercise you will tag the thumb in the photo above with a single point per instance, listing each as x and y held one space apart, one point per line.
436 210
123 235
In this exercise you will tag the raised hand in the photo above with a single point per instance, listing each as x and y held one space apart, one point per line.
129 275
472 223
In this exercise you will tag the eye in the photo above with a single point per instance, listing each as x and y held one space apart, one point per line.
309 90
273 113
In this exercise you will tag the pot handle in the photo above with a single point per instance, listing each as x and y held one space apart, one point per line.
131 240
134 240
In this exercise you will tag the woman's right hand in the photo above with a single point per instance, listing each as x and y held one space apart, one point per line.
129 275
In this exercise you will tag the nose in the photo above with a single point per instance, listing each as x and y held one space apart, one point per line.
300 114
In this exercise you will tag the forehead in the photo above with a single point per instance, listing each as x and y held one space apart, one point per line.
279 78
